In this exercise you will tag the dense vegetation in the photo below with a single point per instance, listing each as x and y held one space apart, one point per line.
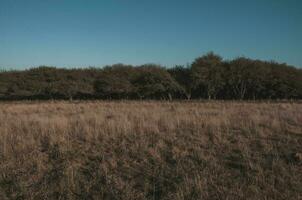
208 77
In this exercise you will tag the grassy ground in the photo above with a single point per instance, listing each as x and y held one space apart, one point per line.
150 150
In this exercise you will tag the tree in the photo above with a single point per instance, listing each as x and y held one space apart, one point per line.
155 82
115 82
183 77
285 81
207 77
207 72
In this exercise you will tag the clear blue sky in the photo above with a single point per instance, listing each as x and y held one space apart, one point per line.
67 33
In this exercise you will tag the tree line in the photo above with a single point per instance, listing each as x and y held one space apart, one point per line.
208 77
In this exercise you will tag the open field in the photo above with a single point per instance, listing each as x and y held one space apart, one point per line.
150 150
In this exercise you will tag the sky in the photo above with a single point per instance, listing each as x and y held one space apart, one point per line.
81 33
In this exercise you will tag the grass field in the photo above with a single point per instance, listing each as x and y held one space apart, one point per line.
150 150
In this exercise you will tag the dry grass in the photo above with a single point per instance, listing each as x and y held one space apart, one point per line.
150 150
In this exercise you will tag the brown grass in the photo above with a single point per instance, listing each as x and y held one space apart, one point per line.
150 150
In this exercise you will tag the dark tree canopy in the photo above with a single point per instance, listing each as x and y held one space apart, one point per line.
208 77
155 82
208 72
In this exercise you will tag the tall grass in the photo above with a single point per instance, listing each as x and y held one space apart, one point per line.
150 150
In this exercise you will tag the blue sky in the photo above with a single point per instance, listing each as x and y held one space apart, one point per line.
79 33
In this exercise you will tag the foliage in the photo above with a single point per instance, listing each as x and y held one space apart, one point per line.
209 76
